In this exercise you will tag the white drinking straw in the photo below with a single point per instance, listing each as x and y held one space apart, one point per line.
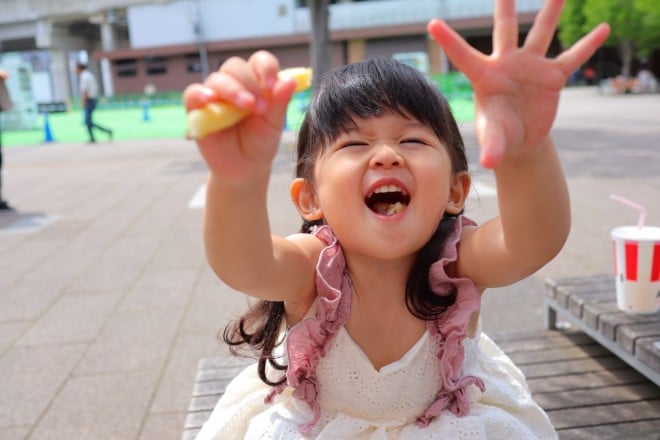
641 209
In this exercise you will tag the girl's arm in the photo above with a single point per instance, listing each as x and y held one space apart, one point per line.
516 96
533 224
237 236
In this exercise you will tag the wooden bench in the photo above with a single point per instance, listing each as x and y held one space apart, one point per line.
590 304
588 392
213 375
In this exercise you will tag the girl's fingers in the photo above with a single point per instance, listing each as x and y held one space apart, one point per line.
540 35
505 26
491 141
242 71
233 90
466 58
197 96
265 67
581 51
280 95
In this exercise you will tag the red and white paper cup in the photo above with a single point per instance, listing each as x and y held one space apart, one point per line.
637 268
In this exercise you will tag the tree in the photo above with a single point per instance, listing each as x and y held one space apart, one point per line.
650 40
635 25
320 47
571 22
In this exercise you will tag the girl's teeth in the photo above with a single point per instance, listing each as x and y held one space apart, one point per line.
388 188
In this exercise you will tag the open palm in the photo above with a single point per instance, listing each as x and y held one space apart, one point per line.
516 88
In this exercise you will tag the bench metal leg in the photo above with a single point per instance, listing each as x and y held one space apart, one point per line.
550 317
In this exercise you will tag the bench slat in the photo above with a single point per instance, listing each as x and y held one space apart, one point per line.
648 352
627 335
609 323
592 350
592 311
613 377
605 414
597 396
549 340
646 429
586 365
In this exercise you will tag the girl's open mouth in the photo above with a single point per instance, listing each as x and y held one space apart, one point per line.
387 200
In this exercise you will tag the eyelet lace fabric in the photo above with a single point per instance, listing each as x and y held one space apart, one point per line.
349 384
448 385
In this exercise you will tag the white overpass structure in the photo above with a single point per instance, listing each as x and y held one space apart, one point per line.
67 28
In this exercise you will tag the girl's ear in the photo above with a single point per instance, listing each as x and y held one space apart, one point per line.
302 194
458 192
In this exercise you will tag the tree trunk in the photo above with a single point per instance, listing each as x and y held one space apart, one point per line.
627 48
320 48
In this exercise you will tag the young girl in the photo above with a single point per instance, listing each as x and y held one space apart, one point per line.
368 320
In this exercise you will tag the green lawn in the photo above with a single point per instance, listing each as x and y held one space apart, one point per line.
129 123
162 122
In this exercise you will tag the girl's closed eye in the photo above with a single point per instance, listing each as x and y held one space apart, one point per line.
351 143
414 141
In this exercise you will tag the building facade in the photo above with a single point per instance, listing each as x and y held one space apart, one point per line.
167 44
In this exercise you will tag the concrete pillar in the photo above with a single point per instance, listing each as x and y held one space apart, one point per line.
60 71
55 38
108 42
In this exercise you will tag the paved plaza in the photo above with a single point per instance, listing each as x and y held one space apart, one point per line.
107 303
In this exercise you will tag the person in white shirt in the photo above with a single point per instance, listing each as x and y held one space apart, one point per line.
89 90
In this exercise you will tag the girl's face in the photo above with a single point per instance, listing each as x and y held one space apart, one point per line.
383 186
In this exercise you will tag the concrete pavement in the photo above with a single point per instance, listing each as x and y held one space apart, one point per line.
107 303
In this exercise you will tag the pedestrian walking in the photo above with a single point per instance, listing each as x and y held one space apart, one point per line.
89 90
5 105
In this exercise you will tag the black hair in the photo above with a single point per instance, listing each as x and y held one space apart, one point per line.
359 90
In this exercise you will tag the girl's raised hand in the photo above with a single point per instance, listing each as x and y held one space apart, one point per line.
245 150
516 88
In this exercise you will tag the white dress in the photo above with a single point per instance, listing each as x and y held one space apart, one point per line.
340 395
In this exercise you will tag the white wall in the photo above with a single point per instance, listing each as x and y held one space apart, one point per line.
235 19
158 25
161 25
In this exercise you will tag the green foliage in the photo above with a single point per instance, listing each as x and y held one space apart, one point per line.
650 39
635 24
638 20
571 23
623 16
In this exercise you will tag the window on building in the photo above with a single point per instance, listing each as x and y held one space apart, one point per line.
156 66
305 3
125 68
193 63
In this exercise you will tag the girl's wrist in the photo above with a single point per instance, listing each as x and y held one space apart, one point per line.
249 182
521 156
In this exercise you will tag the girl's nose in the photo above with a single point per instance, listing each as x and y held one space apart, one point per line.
385 156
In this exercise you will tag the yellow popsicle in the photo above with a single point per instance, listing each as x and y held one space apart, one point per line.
217 116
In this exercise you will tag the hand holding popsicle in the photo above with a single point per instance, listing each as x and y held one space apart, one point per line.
236 116
216 116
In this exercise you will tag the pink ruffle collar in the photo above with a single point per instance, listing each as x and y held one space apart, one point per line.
309 340
450 330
